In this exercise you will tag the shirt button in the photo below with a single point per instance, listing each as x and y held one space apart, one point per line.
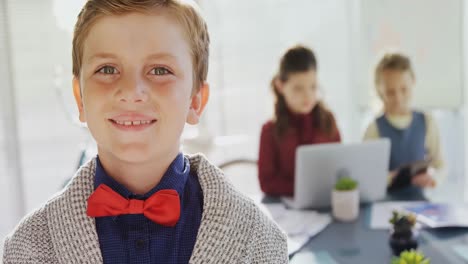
140 244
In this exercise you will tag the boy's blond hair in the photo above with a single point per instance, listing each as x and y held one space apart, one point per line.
392 61
185 12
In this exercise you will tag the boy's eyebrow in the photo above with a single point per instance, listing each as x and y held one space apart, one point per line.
102 55
161 55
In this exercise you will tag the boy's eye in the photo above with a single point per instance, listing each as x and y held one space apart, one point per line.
108 70
159 71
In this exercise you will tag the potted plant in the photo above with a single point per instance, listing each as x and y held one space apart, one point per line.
410 257
345 199
403 236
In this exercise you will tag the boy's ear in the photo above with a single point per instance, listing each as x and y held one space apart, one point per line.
379 91
78 99
198 103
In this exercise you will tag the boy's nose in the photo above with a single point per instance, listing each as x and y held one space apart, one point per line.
133 90
399 98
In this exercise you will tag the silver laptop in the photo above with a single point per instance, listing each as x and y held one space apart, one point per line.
319 166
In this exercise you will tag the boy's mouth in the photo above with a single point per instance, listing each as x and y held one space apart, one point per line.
132 125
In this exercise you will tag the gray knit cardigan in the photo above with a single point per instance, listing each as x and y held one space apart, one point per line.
232 230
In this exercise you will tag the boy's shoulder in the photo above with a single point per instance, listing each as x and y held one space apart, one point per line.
428 116
30 240
232 223
35 238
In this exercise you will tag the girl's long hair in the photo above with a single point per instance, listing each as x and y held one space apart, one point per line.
296 60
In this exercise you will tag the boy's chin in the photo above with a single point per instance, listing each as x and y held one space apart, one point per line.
134 155
402 111
141 155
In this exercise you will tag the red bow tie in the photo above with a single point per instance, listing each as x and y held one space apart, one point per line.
163 207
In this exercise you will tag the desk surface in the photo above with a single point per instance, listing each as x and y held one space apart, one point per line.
357 243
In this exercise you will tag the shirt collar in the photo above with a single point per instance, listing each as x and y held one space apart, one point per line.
174 178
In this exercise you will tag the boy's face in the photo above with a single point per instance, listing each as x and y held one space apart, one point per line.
395 88
300 91
136 83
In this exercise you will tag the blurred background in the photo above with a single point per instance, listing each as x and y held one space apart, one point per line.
41 142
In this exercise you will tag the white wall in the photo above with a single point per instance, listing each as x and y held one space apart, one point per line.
48 142
11 191
465 96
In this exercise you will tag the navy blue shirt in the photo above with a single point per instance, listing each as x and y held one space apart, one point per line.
135 239
408 144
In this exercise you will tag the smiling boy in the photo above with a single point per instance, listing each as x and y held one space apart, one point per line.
140 70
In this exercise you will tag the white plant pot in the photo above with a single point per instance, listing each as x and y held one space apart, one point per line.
345 205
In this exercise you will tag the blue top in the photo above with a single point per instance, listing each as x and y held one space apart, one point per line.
135 239
407 145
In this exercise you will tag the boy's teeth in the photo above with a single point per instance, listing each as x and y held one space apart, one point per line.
134 123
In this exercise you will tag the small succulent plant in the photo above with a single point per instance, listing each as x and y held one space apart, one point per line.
410 257
402 223
403 237
346 184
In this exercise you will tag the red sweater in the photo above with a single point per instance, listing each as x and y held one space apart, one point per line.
276 159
